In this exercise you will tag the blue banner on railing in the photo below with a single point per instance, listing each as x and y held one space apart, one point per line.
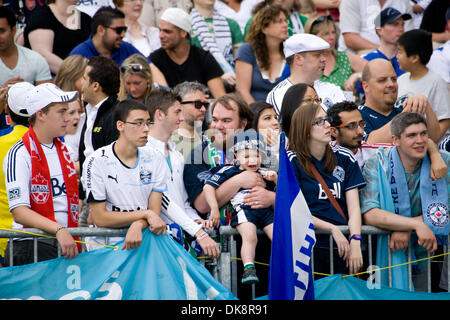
159 269
337 288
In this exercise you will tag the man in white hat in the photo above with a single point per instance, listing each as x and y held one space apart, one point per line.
41 180
178 60
304 55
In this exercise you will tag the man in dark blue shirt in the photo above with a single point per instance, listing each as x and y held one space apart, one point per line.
381 105
108 30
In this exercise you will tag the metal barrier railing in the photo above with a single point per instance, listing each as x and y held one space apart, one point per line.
224 269
228 266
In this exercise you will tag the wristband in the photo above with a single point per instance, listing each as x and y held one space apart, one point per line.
59 228
203 235
355 236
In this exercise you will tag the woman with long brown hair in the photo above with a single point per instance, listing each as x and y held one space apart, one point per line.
260 62
329 180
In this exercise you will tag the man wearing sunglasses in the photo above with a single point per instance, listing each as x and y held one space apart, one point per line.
108 30
195 103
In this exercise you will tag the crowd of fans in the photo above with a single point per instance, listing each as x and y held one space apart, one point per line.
168 115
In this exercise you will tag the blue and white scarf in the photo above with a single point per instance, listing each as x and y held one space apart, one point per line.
433 195
222 46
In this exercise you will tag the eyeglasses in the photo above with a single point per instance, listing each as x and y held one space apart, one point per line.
140 124
321 121
135 67
312 101
354 125
119 30
198 104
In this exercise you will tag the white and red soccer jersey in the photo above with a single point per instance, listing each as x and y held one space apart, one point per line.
17 169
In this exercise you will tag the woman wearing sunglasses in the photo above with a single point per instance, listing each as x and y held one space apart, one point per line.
136 79
329 180
341 68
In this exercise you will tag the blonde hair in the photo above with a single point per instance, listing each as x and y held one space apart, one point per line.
72 69
144 73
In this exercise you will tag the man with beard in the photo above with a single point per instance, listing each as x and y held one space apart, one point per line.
108 30
347 128
230 114
381 105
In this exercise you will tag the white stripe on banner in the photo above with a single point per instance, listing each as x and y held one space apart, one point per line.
303 239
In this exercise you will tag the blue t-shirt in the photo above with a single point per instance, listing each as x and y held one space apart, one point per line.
345 176
88 50
375 120
378 54
260 87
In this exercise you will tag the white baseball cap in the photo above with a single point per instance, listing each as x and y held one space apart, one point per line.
303 42
16 98
42 95
177 17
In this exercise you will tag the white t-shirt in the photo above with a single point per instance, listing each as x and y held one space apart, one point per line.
106 179
31 67
17 169
182 214
358 16
328 92
241 17
431 86
91 115
440 61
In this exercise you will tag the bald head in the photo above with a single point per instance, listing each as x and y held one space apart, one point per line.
375 64
380 85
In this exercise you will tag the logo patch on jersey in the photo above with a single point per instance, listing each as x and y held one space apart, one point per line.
438 215
40 190
146 176
327 103
14 194
339 173
204 175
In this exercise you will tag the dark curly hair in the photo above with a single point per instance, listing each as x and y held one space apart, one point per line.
106 72
257 38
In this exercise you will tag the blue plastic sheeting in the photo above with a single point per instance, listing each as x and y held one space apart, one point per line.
160 269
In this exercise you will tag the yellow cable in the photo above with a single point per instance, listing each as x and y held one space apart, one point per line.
397 265
53 237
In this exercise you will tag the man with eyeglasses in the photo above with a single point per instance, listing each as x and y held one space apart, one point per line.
124 182
304 55
108 30
347 129
195 103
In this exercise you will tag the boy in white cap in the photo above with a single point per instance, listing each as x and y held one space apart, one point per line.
304 55
180 61
41 180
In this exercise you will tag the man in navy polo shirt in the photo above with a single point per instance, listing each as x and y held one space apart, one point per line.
381 105
390 25
108 30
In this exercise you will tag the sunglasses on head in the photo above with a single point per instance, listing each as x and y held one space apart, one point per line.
321 19
135 67
198 104
119 30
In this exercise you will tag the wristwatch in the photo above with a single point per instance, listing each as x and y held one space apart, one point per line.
355 236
